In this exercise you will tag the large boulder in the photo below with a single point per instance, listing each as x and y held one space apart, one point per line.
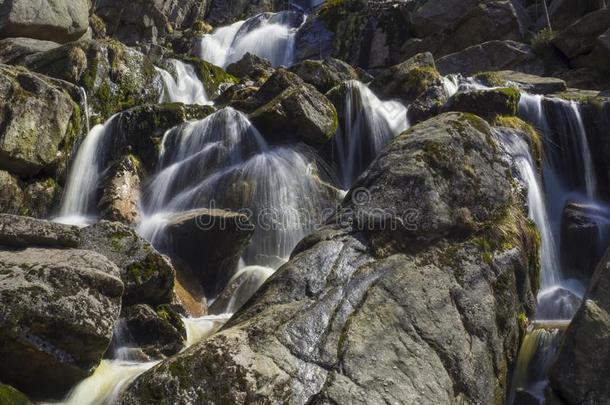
114 76
121 191
208 244
14 50
487 21
425 311
363 33
58 311
34 138
252 67
148 276
564 12
576 375
492 55
599 57
11 194
486 103
138 22
19 232
288 107
325 74
407 80
55 20
579 38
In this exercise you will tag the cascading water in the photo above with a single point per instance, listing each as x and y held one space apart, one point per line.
79 200
185 88
567 169
224 162
367 125
267 35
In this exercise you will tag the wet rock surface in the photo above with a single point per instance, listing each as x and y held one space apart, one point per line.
353 307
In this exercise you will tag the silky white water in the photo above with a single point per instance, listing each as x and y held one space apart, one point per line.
78 205
367 125
223 162
268 35
185 87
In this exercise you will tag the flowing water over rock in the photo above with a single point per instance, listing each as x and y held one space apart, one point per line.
367 125
267 35
182 87
79 201
567 169
224 162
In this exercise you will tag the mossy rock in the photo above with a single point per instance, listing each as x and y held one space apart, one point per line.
12 396
532 136
486 103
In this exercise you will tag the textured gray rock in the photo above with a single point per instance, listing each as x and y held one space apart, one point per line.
148 276
492 55
11 194
285 106
16 231
579 38
24 101
137 22
531 83
58 311
14 50
325 74
577 374
55 20
425 312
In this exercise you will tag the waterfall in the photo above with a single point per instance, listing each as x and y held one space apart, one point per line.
223 162
83 95
186 88
80 198
267 35
519 151
367 125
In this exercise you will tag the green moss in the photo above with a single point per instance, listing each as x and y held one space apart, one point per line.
543 38
491 79
11 396
533 137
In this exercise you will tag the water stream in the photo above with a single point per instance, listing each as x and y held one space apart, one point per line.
267 35
182 87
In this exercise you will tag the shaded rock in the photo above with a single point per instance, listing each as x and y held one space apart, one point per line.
298 111
209 243
492 55
486 103
349 317
16 231
41 198
157 333
564 12
575 376
523 397
148 276
599 57
579 38
11 194
121 191
58 311
432 16
487 21
362 33
581 238
139 22
14 50
407 80
251 66
24 104
325 74
54 20
427 104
